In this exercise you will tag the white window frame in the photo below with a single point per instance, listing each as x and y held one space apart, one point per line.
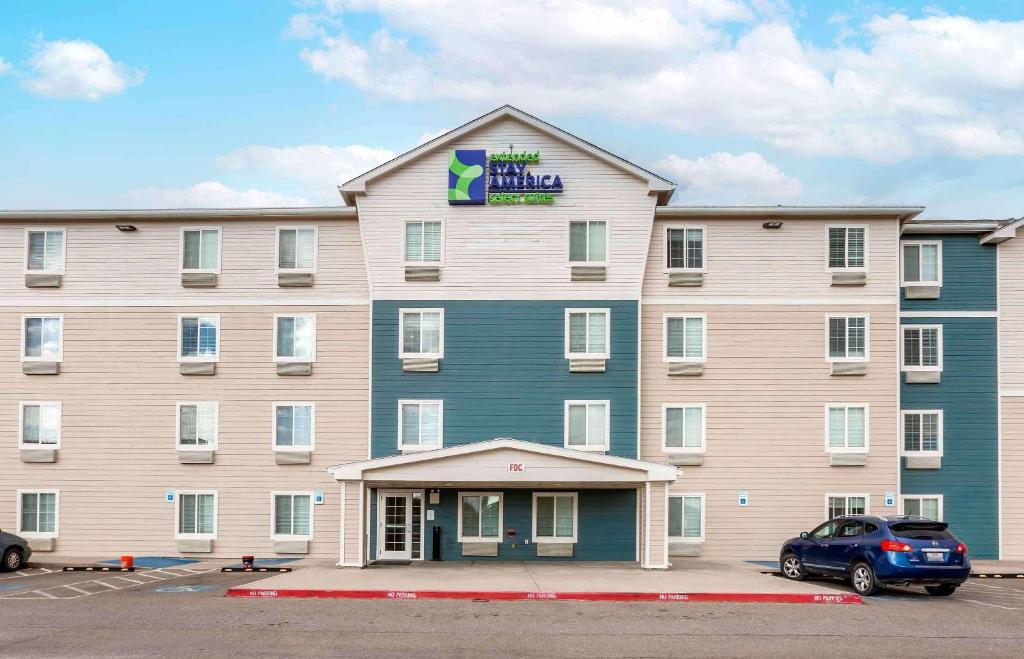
938 341
704 247
664 338
904 497
21 424
24 337
402 354
273 516
575 519
607 242
312 427
181 249
59 270
440 261
846 507
607 425
938 269
501 517
846 431
56 514
177 513
703 518
867 337
607 334
440 424
665 407
202 359
216 425
903 430
291 360
277 248
846 248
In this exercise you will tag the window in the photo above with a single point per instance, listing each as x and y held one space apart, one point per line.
196 515
296 249
199 338
555 517
588 242
587 333
421 333
197 425
838 505
922 347
40 425
43 338
685 338
847 430
686 517
295 338
420 424
922 432
826 530
847 248
586 424
294 426
44 250
684 248
683 428
928 506
292 515
200 250
37 513
851 529
480 516
922 263
847 338
423 241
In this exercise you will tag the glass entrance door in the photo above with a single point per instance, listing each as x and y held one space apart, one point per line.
394 527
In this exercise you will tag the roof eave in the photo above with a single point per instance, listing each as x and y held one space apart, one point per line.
321 212
901 213
1004 233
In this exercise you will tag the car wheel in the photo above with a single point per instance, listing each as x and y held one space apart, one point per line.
942 590
863 579
12 560
792 567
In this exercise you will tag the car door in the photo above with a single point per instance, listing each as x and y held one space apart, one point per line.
845 544
819 541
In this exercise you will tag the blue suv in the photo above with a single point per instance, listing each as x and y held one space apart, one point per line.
874 552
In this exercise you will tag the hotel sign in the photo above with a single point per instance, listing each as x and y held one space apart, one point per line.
474 178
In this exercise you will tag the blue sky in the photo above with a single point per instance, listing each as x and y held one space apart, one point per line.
128 104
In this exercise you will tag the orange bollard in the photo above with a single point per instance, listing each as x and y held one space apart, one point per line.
127 562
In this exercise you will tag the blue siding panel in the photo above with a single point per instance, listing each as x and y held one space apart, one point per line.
968 275
504 373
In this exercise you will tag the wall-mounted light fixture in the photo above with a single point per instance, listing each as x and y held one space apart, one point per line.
775 224
125 227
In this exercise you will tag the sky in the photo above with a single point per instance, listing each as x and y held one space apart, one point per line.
233 103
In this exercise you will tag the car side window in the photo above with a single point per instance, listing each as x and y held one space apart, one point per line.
869 528
851 529
826 530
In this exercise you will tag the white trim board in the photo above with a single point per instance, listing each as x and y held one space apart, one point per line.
876 300
201 301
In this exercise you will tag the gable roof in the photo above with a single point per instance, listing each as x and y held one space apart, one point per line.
662 187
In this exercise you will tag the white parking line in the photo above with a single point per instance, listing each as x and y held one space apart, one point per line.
46 594
79 587
27 573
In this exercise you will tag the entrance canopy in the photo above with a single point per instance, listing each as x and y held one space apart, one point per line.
509 461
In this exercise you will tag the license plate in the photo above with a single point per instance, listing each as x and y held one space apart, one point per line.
934 557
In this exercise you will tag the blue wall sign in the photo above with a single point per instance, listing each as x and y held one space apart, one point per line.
318 498
170 496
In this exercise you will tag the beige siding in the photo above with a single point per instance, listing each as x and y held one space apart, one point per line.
1012 504
108 265
746 261
352 518
766 385
658 557
508 251
119 384
1011 314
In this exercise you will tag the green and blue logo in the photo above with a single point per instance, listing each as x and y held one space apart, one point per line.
466 182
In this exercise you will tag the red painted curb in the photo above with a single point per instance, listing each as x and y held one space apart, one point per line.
509 596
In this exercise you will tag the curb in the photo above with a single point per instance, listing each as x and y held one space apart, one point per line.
515 596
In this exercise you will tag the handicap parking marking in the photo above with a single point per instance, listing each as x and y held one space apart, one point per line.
190 588
28 572
107 584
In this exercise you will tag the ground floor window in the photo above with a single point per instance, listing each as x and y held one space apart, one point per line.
686 517
928 506
293 515
480 516
846 504
555 517
37 515
197 515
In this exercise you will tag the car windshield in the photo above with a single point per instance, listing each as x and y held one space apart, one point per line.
921 531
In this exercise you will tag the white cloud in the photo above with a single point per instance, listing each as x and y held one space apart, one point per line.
5 67
317 164
912 86
726 178
78 69
433 134
209 194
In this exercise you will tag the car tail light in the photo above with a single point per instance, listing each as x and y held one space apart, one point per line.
892 545
961 548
